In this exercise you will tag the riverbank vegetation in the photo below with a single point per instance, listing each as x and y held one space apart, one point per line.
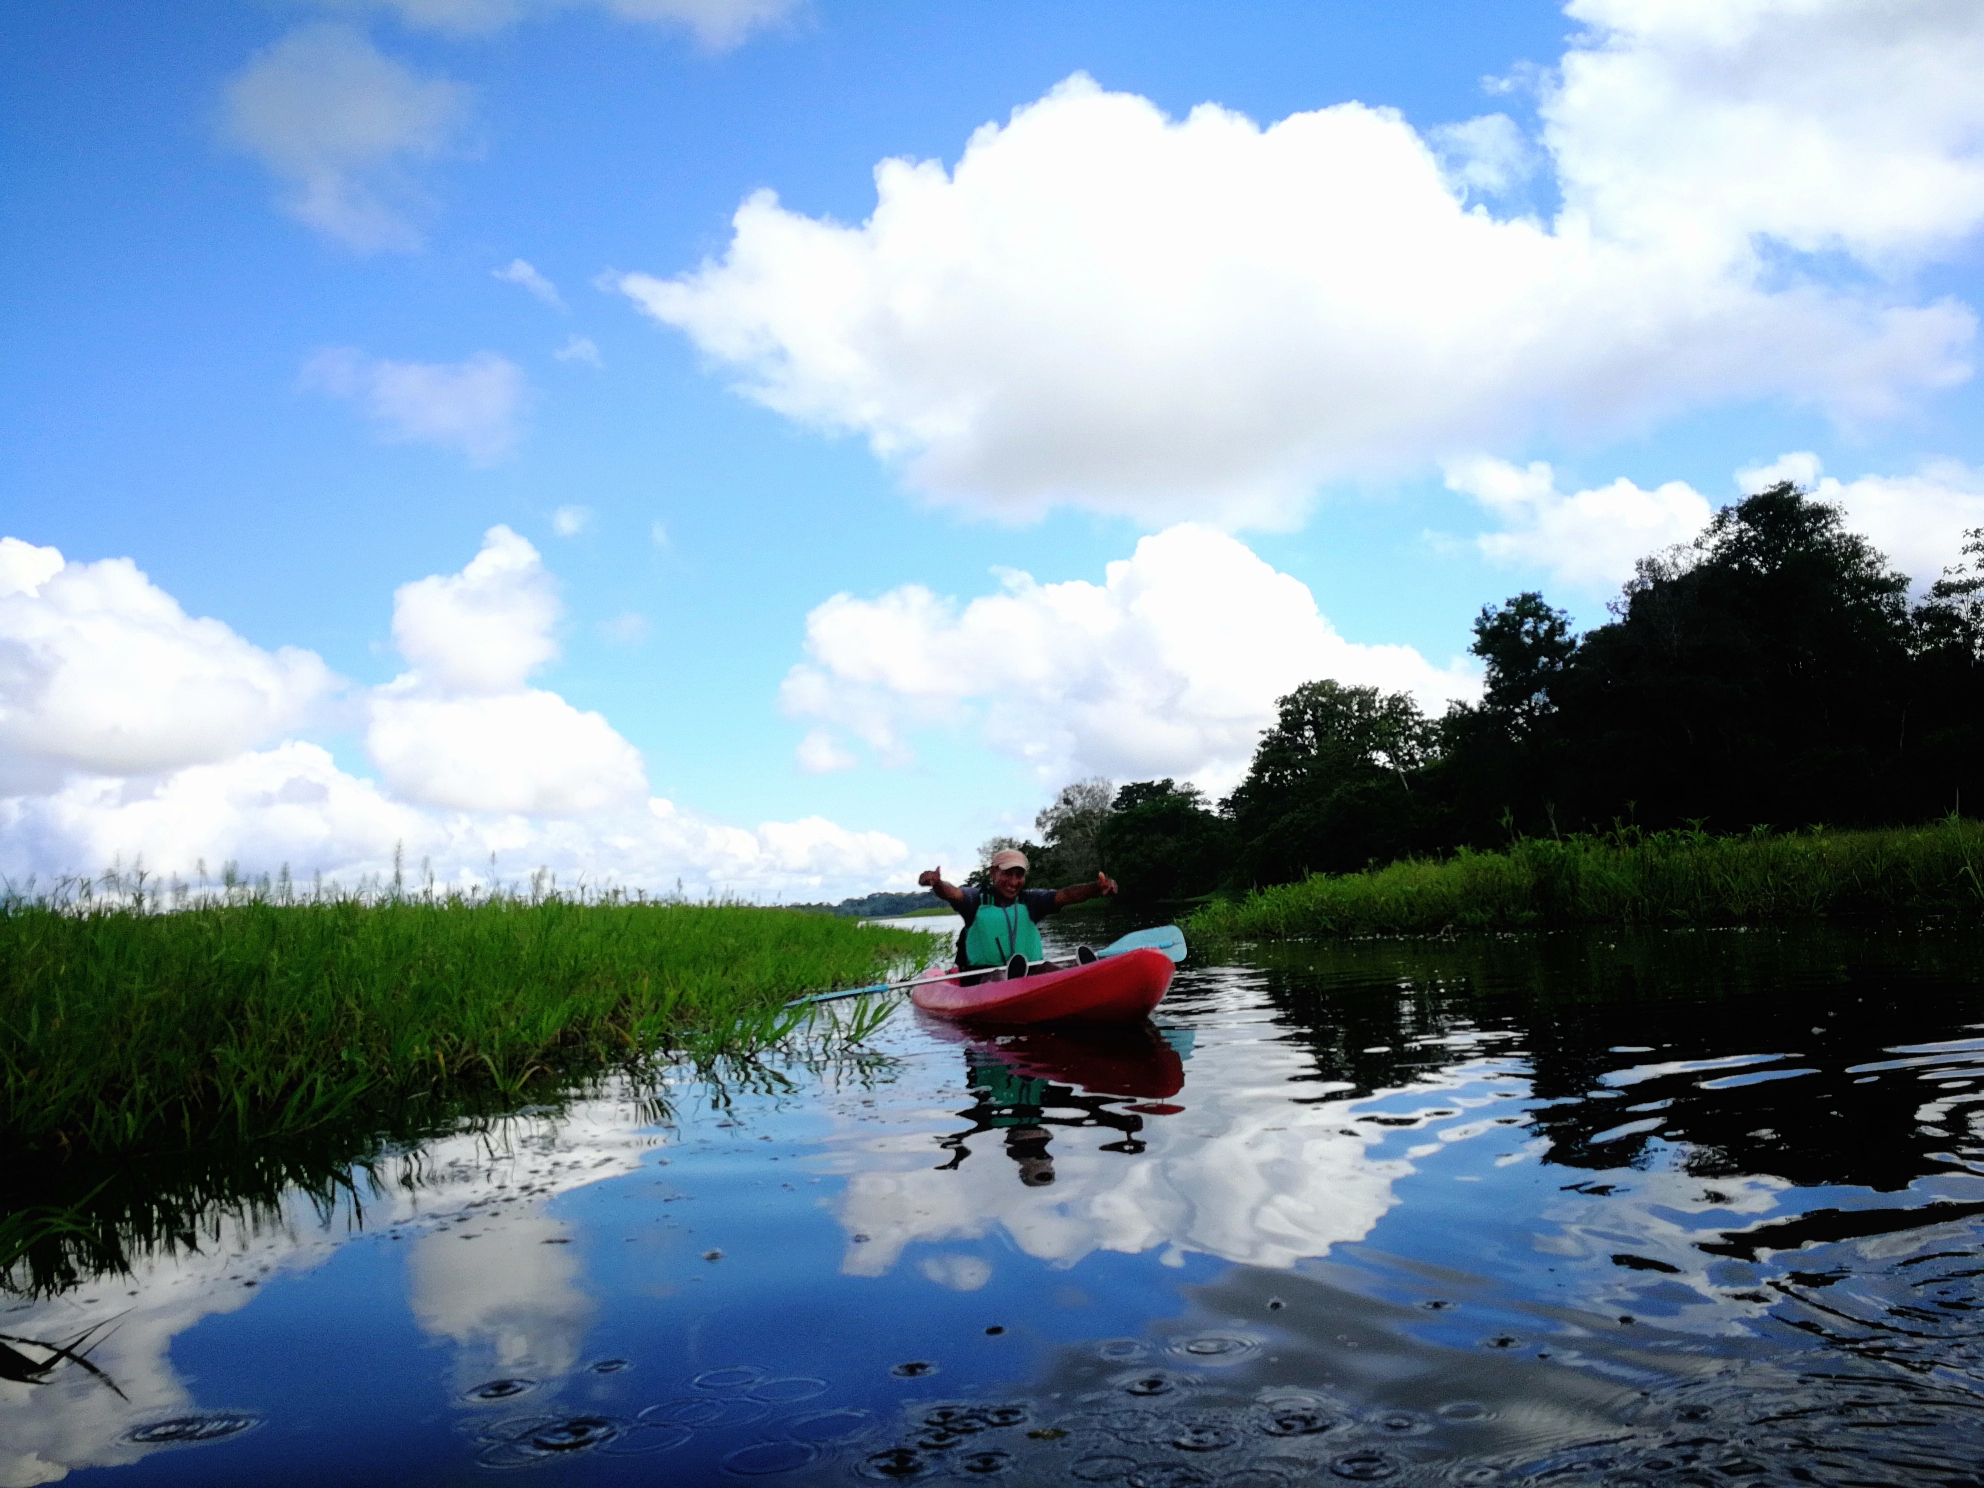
1625 877
1769 676
122 1031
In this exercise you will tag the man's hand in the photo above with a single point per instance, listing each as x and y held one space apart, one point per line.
1082 892
933 880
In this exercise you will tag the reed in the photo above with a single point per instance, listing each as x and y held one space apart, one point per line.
1628 877
123 1030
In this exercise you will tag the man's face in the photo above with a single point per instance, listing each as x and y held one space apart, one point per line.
1007 882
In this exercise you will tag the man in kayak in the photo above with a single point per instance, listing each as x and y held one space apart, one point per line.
1001 925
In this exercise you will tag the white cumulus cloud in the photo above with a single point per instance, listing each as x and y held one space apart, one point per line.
102 672
1204 318
338 121
486 628
530 753
473 406
1170 666
1837 125
462 730
1918 521
130 733
1589 539
580 349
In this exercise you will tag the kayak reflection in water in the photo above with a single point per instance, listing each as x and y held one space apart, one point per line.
1002 925
1030 1084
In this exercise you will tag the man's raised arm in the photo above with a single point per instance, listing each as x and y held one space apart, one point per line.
933 880
1077 893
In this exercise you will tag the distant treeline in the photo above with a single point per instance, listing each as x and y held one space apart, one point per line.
1769 675
875 906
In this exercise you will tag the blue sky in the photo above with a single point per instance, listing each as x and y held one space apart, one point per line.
1304 354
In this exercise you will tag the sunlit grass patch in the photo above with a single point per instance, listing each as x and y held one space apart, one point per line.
121 1030
1627 877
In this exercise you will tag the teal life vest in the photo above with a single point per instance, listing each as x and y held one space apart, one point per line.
997 932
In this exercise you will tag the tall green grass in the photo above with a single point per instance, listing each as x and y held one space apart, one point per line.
122 1030
1627 877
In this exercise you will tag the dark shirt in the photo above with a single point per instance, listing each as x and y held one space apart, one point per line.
1039 903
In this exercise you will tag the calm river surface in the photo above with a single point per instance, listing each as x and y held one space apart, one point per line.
1676 1209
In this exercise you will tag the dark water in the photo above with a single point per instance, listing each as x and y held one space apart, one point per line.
1686 1209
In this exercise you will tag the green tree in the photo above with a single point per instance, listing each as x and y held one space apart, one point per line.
1945 721
1070 828
1329 789
1526 646
1163 843
1757 674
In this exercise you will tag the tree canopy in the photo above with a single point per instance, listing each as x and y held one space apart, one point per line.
1771 672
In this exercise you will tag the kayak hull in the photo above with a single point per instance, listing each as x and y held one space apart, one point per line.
1115 989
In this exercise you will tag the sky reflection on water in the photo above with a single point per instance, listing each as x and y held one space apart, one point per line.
1418 1211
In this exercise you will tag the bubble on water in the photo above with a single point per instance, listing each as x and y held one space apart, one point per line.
985 1463
610 1366
1147 1385
938 1441
1004 1415
1214 1348
914 1369
211 1426
829 1425
788 1390
733 1377
761 1459
1502 1341
572 1434
1290 1418
1118 1350
961 1420
1465 1410
500 1389
1101 1468
1477 1475
1401 1423
1366 1466
518 1443
1203 1436
1169 1475
898 1464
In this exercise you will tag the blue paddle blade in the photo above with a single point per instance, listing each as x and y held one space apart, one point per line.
1166 938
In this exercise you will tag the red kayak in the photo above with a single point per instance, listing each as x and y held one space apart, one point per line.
1115 989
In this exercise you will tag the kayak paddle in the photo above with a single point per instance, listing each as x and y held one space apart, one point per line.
1166 938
